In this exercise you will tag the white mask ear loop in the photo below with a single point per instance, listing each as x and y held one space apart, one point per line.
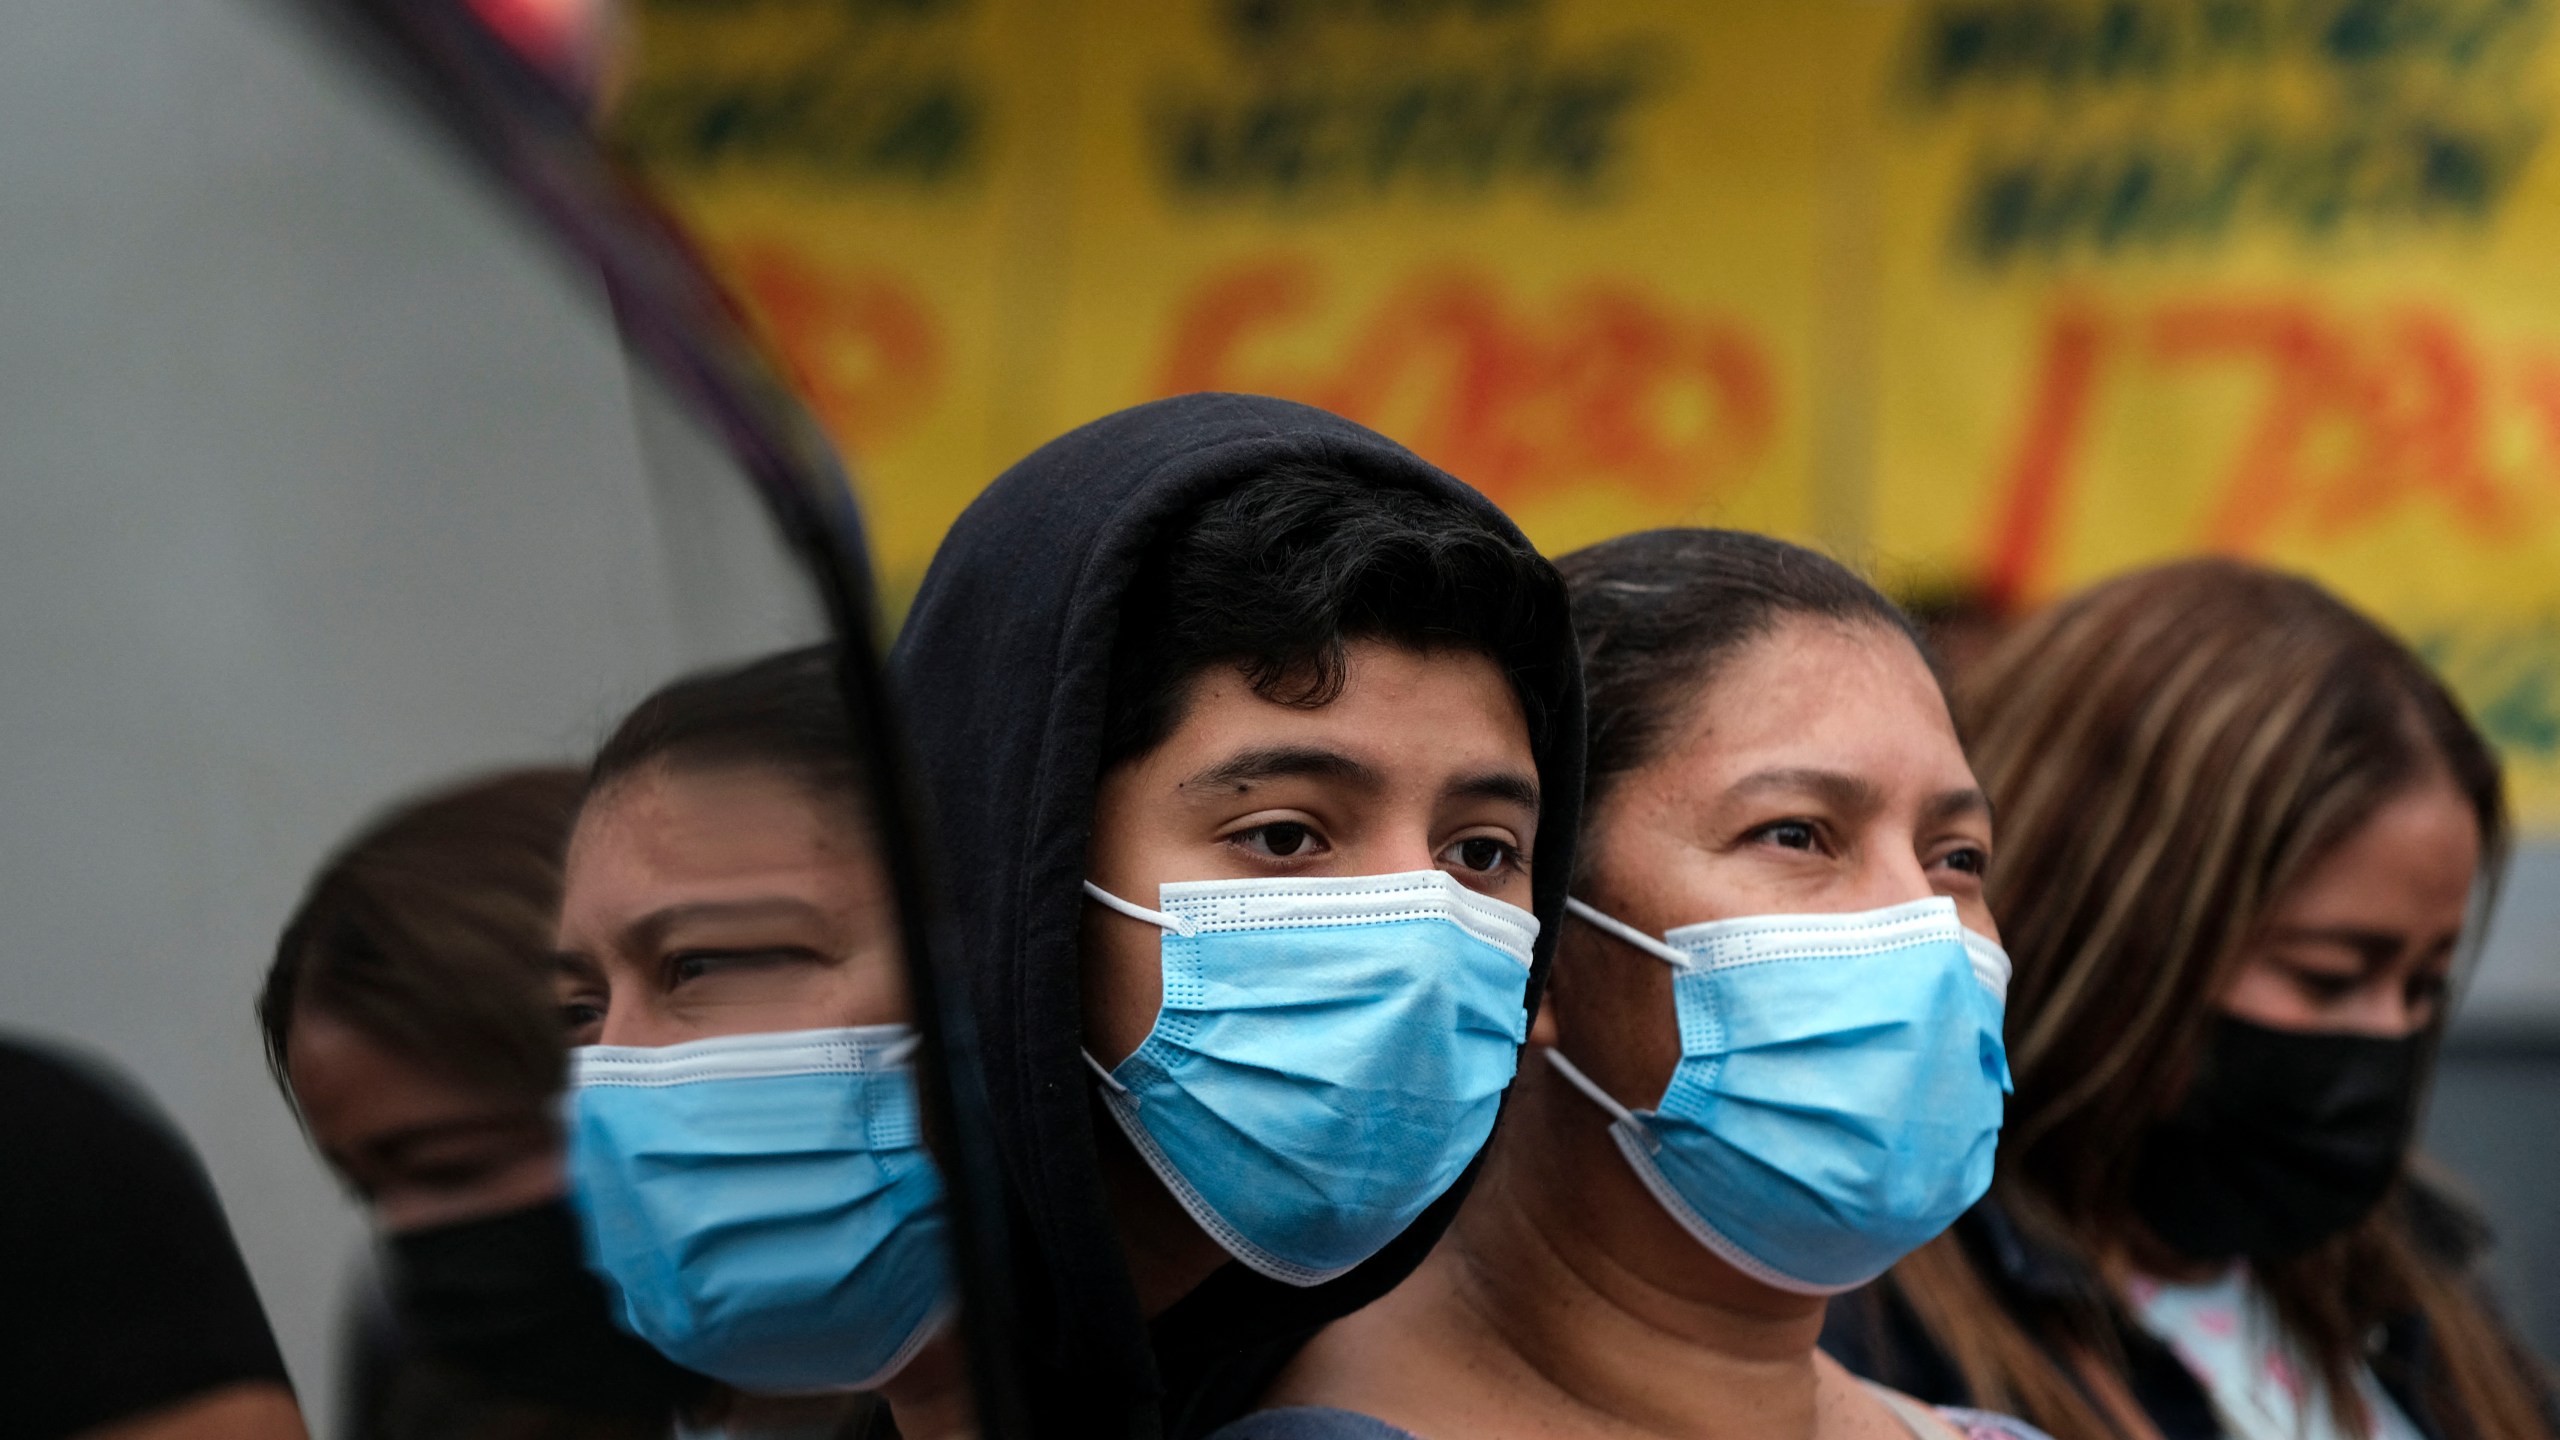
1602 1098
1116 1087
1622 930
1157 918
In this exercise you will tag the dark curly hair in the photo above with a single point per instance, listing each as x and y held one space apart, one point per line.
1279 574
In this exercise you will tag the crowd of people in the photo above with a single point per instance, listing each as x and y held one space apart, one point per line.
1420 989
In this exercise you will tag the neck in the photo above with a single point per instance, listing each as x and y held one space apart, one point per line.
1565 1272
929 1399
1168 1253
2138 1251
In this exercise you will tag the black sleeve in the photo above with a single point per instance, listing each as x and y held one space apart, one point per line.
120 1287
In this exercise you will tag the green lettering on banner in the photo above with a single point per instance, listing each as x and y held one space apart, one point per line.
1331 102
2149 125
879 101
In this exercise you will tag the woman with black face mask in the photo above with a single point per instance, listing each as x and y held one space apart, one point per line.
411 1018
2242 829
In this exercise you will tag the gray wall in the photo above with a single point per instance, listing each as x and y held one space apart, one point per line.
317 482
2497 1100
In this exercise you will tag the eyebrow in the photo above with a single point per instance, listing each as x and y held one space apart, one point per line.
1509 786
1840 791
650 930
2373 948
1281 762
1948 804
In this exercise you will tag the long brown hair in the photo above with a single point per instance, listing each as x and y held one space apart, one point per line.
430 931
2169 753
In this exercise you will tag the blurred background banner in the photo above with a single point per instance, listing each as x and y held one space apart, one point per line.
1996 296
2269 279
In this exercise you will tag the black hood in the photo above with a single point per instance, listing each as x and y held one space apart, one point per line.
1002 669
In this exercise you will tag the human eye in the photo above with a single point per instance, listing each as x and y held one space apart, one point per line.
2324 986
453 1173
1482 855
1964 858
1279 840
685 967
1789 834
580 997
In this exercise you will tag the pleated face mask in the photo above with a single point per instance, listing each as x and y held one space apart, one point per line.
1839 1092
762 1205
1329 1056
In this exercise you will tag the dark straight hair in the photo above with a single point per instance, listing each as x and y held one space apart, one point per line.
1660 611
1281 573
784 712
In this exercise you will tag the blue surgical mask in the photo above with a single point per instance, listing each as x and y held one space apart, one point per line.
1329 1057
762 1206
1839 1091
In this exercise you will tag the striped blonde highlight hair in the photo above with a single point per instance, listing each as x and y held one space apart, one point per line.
2169 753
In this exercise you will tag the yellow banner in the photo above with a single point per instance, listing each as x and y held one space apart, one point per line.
2266 279
2003 295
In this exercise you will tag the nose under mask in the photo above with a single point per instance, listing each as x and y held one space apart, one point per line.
1328 1059
763 1206
1839 1093
508 1300
2284 1139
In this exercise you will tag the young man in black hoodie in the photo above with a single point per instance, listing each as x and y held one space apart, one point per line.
1256 746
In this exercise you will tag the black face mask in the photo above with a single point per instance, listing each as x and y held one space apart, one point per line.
2285 1138
508 1301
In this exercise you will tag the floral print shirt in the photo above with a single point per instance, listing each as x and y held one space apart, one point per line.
2227 1336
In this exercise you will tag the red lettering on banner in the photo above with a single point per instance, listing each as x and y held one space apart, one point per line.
2357 418
1611 383
860 347
2021 534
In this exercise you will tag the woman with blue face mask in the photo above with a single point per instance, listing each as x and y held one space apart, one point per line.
1769 1060
745 1153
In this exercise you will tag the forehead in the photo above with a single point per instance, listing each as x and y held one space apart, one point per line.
729 818
1436 709
349 1084
1826 695
2413 861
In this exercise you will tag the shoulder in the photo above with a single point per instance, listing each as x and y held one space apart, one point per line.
121 1250
72 1119
1985 1425
55 1077
1310 1422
